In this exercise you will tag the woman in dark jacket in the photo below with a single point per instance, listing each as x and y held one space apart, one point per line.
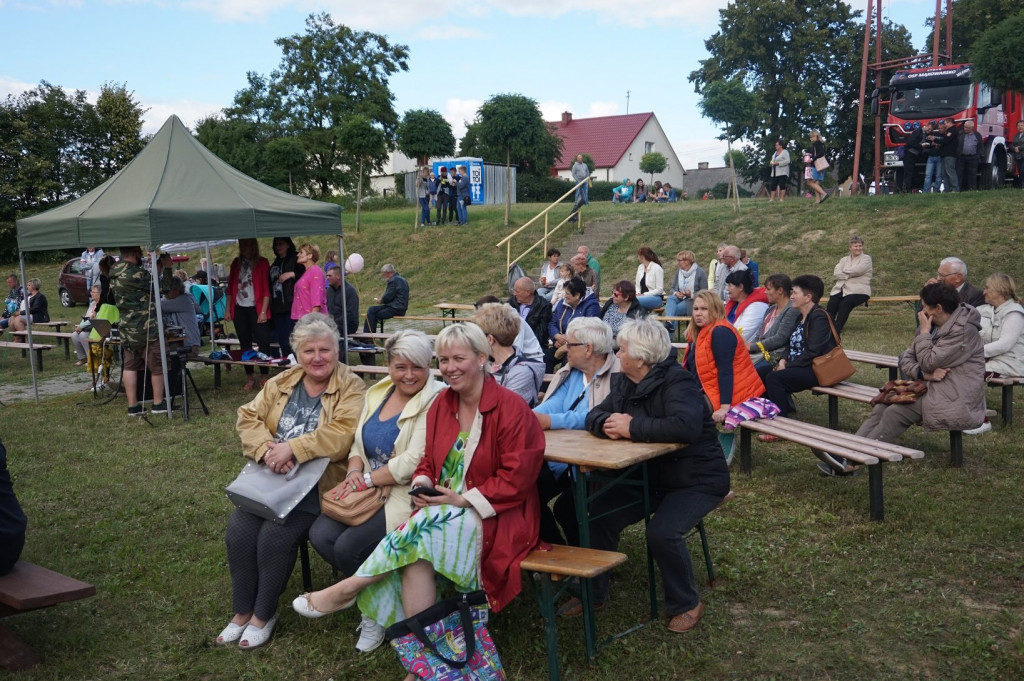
284 272
811 338
622 306
578 302
656 400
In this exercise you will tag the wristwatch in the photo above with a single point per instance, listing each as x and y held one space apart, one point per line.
367 480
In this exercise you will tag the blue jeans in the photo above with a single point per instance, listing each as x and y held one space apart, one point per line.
677 308
584 193
649 302
932 174
460 211
425 211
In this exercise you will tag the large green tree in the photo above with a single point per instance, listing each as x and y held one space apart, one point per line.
998 55
971 18
57 145
511 127
793 55
329 81
424 133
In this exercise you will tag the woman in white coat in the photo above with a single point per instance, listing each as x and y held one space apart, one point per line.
853 283
1002 327
650 279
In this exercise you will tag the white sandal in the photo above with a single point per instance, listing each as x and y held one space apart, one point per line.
254 637
231 633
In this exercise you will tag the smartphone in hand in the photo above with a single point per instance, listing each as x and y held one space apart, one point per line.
423 491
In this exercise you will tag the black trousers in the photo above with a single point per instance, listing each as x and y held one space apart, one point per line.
840 306
967 172
250 331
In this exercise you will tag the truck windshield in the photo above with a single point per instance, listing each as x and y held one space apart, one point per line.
930 100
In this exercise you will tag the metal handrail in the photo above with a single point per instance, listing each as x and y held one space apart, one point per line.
507 241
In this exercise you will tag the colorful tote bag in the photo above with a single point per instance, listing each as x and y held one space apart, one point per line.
449 641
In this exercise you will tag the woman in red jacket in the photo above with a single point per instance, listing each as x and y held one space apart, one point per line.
249 303
484 450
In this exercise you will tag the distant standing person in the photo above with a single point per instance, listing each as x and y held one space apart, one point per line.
913 148
853 283
90 264
969 146
347 315
1017 145
817 176
462 195
580 171
311 288
423 195
949 151
284 272
780 173
249 303
393 303
933 161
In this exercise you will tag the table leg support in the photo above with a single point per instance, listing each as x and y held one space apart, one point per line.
651 583
875 491
1007 406
833 412
745 463
956 448
546 602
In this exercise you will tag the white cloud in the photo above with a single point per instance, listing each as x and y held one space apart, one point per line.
687 12
13 86
552 110
458 112
450 33
605 108
696 151
188 111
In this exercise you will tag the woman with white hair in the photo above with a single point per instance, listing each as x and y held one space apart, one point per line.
575 389
653 399
389 443
479 517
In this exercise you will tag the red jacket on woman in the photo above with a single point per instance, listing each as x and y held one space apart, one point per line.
503 469
260 284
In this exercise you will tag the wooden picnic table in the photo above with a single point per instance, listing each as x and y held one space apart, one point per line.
612 462
449 309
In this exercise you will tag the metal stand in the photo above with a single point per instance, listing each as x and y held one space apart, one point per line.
186 378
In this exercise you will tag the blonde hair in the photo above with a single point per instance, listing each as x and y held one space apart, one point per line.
467 333
716 311
1002 285
410 345
313 249
500 321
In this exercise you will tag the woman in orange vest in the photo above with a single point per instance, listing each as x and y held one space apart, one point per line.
718 357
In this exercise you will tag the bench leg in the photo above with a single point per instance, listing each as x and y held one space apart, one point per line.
39 357
546 602
956 448
893 373
833 412
216 376
745 464
1007 406
67 348
875 491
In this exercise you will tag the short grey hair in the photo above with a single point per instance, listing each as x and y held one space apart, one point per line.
466 333
592 331
389 268
958 265
856 239
35 283
312 327
410 345
648 340
732 252
96 287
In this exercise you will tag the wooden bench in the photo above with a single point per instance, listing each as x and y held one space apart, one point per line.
31 587
417 318
561 564
57 335
890 362
859 450
55 325
864 394
218 363
1006 383
37 347
677 321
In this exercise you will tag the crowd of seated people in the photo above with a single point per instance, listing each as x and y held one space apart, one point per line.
639 192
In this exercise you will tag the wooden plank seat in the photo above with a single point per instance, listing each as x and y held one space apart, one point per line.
31 587
859 450
218 363
559 564
65 336
37 347
1006 383
864 394
890 362
56 325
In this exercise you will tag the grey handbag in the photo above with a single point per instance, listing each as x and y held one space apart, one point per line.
262 492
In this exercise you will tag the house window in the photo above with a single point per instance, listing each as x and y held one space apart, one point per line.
648 147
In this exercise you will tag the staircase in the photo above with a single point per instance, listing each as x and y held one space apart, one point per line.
597 236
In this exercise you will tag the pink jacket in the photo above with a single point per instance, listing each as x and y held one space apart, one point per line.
310 291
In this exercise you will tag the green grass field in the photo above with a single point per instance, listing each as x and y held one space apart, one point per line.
808 587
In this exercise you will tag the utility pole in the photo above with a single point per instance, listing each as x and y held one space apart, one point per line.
627 102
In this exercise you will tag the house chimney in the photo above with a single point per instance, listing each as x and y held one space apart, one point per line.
566 117
703 165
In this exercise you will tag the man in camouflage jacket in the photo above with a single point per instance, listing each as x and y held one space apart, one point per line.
132 285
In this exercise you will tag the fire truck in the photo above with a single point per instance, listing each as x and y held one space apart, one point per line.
936 92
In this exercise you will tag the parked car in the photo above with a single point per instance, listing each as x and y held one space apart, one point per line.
71 283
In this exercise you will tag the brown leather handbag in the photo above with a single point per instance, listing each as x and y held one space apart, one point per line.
834 366
355 508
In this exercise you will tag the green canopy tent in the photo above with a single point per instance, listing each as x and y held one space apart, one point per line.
175 190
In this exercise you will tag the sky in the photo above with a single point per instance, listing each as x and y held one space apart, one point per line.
589 57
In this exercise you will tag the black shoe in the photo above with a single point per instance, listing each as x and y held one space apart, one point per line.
824 198
159 408
136 410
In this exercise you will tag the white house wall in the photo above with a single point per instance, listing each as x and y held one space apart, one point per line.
629 164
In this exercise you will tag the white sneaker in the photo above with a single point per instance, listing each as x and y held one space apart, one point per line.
371 635
983 428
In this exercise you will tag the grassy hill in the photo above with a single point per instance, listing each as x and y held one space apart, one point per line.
808 588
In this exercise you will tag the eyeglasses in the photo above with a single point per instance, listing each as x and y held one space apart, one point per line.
616 293
940 275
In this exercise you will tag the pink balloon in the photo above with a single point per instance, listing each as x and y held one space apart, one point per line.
354 263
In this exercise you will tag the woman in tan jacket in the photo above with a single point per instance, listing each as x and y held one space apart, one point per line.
853 283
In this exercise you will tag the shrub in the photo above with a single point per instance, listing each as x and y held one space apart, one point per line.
539 188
